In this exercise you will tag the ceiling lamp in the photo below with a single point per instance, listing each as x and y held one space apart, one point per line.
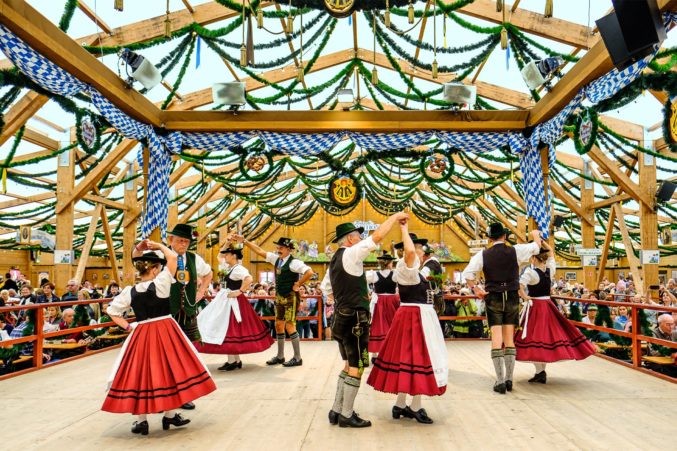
536 73
346 99
231 94
142 70
459 95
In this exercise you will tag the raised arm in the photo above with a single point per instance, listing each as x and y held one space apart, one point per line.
169 254
409 248
253 246
388 224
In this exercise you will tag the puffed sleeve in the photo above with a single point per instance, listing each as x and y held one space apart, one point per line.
120 303
529 277
371 276
239 273
406 275
201 266
271 257
163 283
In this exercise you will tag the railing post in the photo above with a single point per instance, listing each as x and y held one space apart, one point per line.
636 344
38 332
320 318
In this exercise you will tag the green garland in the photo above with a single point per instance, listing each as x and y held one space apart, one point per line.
69 9
584 147
667 127
262 175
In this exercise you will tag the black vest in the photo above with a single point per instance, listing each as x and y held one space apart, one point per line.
542 288
416 294
501 270
231 284
349 291
385 284
147 304
285 278
434 265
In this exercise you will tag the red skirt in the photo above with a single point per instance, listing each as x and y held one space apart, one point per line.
550 336
159 371
247 337
384 313
404 365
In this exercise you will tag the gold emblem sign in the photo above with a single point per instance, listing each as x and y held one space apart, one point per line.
673 121
339 8
343 191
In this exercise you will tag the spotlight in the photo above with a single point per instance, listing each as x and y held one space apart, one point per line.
143 70
536 73
459 95
231 94
346 99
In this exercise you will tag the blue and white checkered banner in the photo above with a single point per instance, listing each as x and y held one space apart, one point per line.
124 124
474 142
212 142
389 141
301 144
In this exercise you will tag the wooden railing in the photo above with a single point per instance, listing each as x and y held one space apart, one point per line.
634 335
318 317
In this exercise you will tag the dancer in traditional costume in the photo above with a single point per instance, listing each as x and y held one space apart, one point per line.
346 283
158 369
413 358
290 274
546 335
193 279
384 301
501 263
244 331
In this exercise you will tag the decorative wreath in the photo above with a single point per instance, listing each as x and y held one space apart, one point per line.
670 124
344 190
87 131
585 130
256 166
437 167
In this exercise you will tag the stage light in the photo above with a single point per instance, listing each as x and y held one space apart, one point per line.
143 70
536 73
459 95
231 94
346 99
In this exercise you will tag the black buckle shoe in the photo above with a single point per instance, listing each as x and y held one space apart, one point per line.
275 361
541 378
140 427
499 388
188 406
508 385
177 420
293 362
405 412
421 416
353 422
333 417
230 366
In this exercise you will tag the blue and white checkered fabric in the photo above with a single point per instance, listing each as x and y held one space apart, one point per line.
388 141
38 68
474 142
301 144
129 127
534 196
212 142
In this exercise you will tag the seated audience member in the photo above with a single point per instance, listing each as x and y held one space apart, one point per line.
66 319
4 298
112 290
52 319
72 288
48 294
668 299
25 329
93 310
590 315
27 296
665 330
621 318
81 318
93 293
104 318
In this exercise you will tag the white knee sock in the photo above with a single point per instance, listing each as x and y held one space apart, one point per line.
416 403
231 359
142 417
170 413
401 400
539 367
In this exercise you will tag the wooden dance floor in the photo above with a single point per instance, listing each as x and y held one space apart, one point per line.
587 405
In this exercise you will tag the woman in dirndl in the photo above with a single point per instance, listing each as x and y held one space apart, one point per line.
245 332
384 301
413 358
158 369
546 336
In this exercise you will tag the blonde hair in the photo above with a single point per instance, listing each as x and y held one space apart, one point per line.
85 294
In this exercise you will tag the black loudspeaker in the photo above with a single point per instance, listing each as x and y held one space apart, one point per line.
558 221
631 30
665 191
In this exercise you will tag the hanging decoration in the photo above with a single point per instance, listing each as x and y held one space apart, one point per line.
374 72
168 22
434 68
386 18
504 30
585 131
344 191
437 167
243 49
548 8
87 133
259 18
499 5
410 13
119 5
670 124
301 69
256 166
290 21
339 8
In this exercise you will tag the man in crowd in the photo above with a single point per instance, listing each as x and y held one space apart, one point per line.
67 317
665 330
9 283
71 293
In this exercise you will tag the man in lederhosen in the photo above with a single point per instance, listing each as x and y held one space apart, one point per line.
290 274
500 264
346 282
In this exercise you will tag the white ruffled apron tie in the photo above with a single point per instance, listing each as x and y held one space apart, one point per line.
524 316
372 303
213 321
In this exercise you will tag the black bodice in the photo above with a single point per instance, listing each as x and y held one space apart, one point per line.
416 294
385 284
231 284
542 288
148 305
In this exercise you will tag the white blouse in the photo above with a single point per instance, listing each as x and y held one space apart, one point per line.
123 301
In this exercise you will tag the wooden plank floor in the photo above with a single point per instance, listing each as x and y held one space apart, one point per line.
587 405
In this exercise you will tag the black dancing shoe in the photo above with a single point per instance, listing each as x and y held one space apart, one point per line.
333 417
421 416
405 412
275 361
188 406
293 362
508 385
499 388
230 366
177 420
140 427
541 378
353 422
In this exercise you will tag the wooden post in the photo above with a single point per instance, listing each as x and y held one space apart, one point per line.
648 222
522 224
173 213
588 230
65 176
201 228
129 230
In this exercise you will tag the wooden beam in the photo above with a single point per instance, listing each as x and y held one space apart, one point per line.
588 229
490 205
200 202
20 112
188 6
222 217
633 261
648 221
64 216
571 203
89 242
38 138
41 34
619 177
94 17
612 200
608 236
327 121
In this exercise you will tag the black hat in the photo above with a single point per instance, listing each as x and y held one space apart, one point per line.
151 256
496 230
385 256
344 229
427 249
182 231
233 250
415 239
286 242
